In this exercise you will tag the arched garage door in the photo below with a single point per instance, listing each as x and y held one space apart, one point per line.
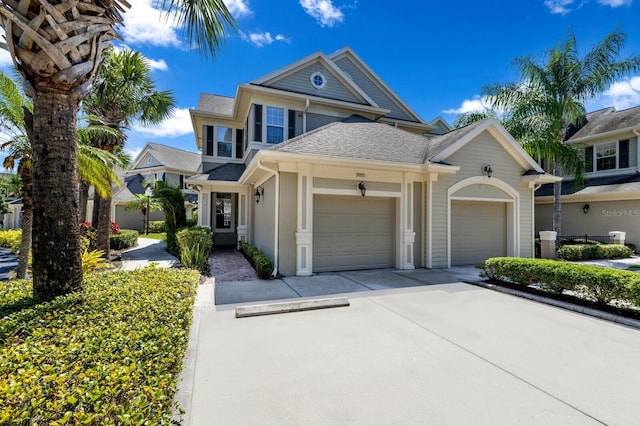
351 233
478 231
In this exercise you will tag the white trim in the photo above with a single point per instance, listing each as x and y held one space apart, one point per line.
313 81
356 192
513 232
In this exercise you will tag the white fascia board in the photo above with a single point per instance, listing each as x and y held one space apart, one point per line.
139 157
321 57
347 51
422 126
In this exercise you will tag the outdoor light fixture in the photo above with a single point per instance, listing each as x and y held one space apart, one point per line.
362 188
148 192
585 208
486 170
259 192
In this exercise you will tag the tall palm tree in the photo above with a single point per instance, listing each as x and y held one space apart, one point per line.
550 99
57 46
123 92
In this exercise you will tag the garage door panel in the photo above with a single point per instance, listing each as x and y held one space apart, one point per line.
353 233
478 231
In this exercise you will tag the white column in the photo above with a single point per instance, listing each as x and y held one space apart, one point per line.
618 237
242 229
407 236
304 226
548 244
204 207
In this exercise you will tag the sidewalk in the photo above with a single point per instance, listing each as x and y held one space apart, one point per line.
148 251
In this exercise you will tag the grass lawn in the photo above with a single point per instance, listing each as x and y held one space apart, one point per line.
157 236
109 354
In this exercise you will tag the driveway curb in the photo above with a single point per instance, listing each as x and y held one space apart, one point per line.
619 319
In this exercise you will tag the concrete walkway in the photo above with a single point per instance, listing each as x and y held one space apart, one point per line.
8 264
145 252
444 354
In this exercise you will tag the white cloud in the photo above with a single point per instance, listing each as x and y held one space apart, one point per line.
323 11
144 24
559 6
623 94
158 65
238 8
178 125
616 3
5 58
263 39
133 153
469 105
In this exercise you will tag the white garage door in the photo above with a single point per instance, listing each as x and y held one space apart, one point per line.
351 233
478 231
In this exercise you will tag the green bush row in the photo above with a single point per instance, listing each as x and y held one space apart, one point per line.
263 265
156 226
594 251
600 284
127 238
11 239
195 246
109 354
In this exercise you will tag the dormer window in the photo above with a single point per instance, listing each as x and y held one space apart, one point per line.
318 80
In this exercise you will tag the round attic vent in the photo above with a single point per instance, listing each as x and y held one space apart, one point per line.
318 80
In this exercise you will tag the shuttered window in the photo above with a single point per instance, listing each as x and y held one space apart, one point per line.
239 139
257 129
588 159
209 143
623 156
292 123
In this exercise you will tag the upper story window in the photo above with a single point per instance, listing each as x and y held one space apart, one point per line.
607 156
275 125
225 141
220 141
318 80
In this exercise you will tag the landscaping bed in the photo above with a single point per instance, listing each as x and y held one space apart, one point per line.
109 354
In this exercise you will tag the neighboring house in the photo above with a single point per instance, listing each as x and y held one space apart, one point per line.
324 168
155 162
610 198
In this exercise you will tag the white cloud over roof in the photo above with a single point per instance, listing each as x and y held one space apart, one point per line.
178 125
324 12
623 94
261 39
144 24
469 105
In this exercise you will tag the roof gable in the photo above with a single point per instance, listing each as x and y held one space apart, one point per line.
296 77
360 73
158 155
607 120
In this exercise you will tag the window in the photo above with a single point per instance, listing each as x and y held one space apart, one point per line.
606 156
208 134
224 136
318 80
275 125
223 211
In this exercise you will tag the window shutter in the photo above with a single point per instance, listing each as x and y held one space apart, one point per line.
292 123
588 159
257 130
623 157
209 139
239 139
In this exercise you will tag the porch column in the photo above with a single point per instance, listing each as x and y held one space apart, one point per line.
407 236
304 226
204 207
548 244
242 229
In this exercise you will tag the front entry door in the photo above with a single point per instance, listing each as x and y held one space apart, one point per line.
224 218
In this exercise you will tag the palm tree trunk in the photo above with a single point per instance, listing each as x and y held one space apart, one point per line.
557 204
96 209
103 225
84 198
57 264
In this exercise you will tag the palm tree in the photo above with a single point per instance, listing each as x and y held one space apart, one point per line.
57 46
171 200
550 99
142 202
124 91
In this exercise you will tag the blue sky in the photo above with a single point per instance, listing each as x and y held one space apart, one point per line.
435 55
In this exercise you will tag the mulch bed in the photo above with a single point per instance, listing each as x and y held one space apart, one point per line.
625 312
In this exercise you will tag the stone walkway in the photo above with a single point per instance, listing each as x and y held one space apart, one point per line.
228 264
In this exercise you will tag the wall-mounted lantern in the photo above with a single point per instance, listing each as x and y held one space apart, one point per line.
362 188
486 171
259 192
585 208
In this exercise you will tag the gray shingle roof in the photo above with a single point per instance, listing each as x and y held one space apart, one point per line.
359 140
217 104
601 185
174 158
607 120
227 172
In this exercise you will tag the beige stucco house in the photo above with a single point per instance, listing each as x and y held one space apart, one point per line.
610 198
324 168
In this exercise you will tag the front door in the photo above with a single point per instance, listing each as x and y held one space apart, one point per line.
224 218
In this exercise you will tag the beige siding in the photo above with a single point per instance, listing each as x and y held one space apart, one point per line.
264 219
134 219
601 218
149 161
483 150
288 223
300 82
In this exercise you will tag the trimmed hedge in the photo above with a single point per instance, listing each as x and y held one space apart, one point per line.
156 226
594 251
11 239
127 238
107 355
262 264
600 284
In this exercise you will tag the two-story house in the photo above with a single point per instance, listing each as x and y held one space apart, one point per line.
323 167
609 200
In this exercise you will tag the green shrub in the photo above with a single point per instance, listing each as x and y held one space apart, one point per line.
594 251
632 247
262 264
192 222
127 238
11 239
107 355
600 284
156 226
195 246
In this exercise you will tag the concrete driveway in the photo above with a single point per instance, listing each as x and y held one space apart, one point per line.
446 354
